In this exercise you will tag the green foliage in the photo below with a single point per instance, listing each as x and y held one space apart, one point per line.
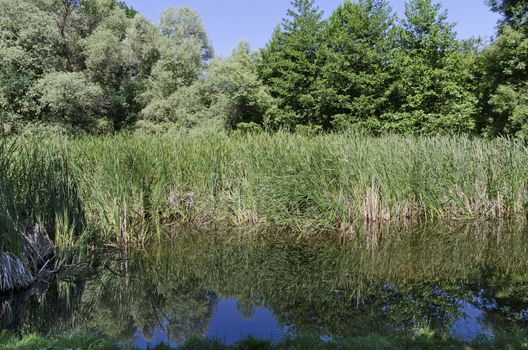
248 128
29 49
360 69
229 92
141 47
104 57
178 66
97 43
234 82
182 24
512 102
129 11
185 108
69 99
356 47
503 90
515 12
308 130
288 65
174 90
119 56
431 90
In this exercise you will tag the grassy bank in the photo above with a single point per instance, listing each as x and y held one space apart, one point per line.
94 341
120 185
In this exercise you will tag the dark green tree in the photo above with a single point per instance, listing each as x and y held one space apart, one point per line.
289 65
431 90
503 75
515 12
129 11
354 55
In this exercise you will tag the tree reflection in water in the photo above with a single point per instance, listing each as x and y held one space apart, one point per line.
464 281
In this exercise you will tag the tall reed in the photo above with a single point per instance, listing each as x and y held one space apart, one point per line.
38 203
127 186
322 183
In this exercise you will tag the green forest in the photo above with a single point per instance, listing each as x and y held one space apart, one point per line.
92 67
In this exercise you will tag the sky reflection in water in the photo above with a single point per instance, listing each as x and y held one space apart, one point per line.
228 325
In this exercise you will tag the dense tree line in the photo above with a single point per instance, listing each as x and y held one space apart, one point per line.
97 66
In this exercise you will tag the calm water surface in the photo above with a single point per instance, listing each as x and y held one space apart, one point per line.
466 281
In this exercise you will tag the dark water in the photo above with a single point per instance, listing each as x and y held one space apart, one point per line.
462 281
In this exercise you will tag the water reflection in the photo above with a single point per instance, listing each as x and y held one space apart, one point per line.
228 323
471 323
465 282
231 324
161 335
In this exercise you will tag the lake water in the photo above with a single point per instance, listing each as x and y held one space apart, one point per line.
467 281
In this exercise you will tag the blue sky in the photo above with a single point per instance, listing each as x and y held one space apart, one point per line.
229 21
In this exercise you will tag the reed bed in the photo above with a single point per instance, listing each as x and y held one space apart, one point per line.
340 182
38 205
128 187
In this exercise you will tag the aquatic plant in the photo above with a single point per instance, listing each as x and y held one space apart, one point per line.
127 188
38 204
13 272
298 183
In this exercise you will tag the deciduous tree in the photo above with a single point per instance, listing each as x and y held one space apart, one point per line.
30 45
503 89
515 12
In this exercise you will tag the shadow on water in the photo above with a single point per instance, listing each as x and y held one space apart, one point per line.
463 281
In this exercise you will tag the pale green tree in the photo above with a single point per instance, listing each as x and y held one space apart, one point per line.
29 48
96 11
141 46
183 50
119 56
186 108
105 58
227 94
179 65
233 83
183 23
69 98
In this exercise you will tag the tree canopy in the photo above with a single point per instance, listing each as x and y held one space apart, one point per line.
289 64
99 66
515 12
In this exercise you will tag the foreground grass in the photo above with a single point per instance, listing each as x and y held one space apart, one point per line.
95 341
339 182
